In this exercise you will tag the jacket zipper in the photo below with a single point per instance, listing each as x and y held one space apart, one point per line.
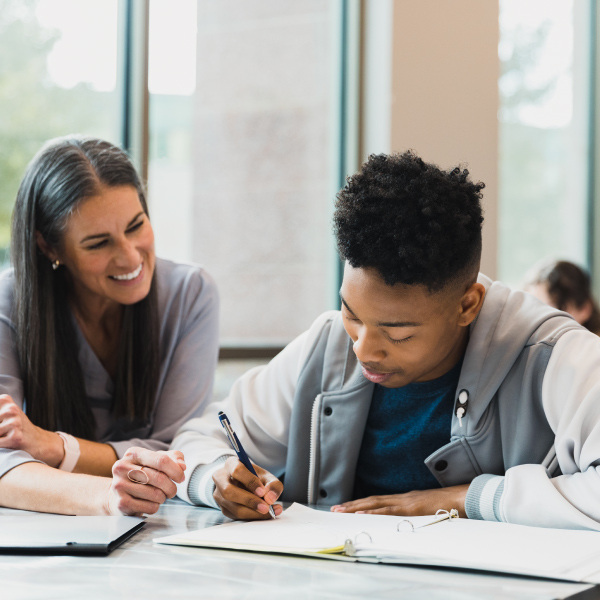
314 430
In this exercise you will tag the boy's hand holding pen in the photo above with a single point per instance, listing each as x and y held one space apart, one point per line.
243 490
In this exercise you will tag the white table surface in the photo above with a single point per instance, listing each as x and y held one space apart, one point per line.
141 569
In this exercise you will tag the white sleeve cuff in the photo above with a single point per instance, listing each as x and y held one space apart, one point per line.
483 498
201 485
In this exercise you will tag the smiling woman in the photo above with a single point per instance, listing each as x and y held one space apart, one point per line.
109 256
98 338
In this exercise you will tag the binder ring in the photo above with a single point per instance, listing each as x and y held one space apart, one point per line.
451 514
412 527
362 533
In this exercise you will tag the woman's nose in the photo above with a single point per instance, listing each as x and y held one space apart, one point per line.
127 254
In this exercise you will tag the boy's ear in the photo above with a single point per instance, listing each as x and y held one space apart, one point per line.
471 303
46 249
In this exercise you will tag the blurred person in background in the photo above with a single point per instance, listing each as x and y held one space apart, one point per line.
564 285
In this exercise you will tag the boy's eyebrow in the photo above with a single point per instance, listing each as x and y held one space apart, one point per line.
96 236
384 323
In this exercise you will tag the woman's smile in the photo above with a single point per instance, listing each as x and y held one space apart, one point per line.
129 277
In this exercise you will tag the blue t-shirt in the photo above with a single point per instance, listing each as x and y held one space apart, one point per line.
405 425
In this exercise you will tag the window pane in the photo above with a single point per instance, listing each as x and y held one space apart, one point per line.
543 116
58 73
242 155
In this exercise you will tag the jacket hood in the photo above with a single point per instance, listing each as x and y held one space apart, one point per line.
509 321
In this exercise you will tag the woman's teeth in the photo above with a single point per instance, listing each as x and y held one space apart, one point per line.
129 276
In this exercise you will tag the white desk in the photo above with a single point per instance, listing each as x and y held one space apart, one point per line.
141 570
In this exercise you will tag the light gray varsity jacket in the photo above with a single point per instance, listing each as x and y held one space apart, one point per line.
528 440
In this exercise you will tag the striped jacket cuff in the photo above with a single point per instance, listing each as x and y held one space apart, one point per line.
201 485
483 498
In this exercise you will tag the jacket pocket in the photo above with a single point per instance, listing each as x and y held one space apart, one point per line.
453 464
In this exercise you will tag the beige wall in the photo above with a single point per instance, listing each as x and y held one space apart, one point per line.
444 92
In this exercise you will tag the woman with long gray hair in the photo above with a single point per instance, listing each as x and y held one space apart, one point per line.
105 350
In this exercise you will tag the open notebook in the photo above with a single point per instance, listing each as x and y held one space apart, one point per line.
456 543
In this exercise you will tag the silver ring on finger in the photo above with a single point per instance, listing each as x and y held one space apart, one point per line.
132 477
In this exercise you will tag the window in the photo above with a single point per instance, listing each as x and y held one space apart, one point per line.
544 134
243 155
58 75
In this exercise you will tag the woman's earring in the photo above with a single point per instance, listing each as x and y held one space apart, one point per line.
55 265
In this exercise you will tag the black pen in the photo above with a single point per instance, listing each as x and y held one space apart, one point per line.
239 449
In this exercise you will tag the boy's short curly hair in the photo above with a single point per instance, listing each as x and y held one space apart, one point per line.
411 221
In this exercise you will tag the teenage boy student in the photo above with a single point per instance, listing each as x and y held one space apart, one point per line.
433 387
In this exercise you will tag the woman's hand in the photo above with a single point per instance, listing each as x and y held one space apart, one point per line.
17 432
142 480
242 495
418 502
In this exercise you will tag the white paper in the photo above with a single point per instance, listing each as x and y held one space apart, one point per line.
461 543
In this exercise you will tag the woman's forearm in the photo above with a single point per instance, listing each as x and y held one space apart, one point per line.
95 458
17 432
38 487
